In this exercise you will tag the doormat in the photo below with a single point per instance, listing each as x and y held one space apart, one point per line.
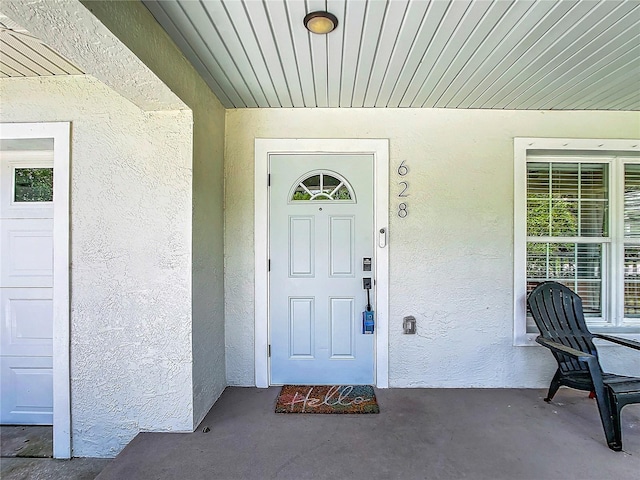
327 399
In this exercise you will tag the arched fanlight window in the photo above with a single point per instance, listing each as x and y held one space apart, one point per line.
322 185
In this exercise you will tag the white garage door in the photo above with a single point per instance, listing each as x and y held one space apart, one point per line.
26 276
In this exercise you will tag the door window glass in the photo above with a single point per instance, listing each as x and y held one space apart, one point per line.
33 185
322 186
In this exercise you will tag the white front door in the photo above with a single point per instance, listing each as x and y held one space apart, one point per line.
26 280
321 232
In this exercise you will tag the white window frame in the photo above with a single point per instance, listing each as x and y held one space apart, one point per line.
558 147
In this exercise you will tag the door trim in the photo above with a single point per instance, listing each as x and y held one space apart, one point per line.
264 147
60 132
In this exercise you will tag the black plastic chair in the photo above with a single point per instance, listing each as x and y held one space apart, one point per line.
557 311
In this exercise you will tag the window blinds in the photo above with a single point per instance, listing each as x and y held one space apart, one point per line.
566 201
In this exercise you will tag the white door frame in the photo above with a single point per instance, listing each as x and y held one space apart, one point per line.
379 148
60 133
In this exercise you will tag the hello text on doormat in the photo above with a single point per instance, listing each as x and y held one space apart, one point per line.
327 399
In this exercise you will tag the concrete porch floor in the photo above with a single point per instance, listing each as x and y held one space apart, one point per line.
419 434
26 455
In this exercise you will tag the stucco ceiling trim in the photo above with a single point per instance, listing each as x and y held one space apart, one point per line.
71 29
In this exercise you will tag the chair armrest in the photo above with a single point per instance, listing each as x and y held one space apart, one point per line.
559 348
592 364
620 341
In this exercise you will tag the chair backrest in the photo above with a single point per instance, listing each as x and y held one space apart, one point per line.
557 311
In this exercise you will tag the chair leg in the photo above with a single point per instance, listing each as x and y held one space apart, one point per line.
616 445
555 385
610 417
616 409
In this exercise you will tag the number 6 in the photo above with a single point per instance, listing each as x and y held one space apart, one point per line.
403 169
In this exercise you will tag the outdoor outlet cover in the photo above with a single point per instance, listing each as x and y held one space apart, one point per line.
409 325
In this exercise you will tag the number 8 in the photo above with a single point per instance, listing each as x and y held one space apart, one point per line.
402 210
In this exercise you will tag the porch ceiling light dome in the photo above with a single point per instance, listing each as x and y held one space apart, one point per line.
320 22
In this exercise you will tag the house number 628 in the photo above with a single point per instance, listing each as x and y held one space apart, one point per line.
402 207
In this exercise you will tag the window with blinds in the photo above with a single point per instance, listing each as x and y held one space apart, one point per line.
632 240
568 227
583 230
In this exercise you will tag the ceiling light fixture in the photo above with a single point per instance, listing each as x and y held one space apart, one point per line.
320 22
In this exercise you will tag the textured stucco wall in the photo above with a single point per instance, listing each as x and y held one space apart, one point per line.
131 258
451 259
121 44
71 30
132 23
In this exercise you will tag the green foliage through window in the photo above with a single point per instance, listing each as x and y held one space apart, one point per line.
301 196
322 186
548 217
33 185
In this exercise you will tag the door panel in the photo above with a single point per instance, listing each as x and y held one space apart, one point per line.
341 235
321 226
26 293
301 312
27 390
26 325
301 251
343 320
26 246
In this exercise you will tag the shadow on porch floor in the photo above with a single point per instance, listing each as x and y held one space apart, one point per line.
26 451
420 433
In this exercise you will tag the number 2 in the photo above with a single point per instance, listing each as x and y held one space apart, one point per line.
402 194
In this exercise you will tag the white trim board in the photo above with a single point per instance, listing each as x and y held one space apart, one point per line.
60 133
379 148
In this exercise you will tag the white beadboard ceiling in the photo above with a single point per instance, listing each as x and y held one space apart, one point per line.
497 54
23 55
